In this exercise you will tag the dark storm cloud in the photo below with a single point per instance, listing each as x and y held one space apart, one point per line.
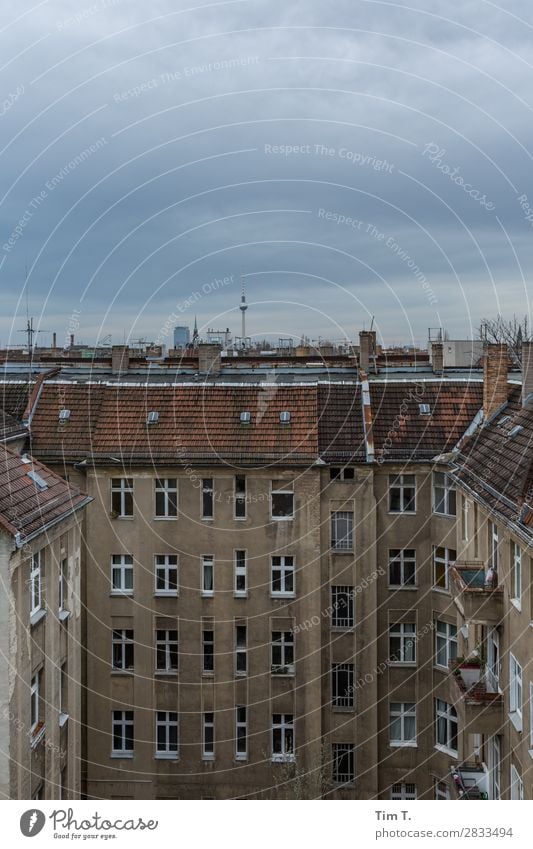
353 159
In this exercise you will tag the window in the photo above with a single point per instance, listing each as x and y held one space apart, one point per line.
342 607
208 736
282 737
402 493
402 643
403 791
36 600
282 576
343 763
122 574
446 726
402 567
208 506
342 530
444 497
282 504
241 733
464 519
515 692
122 649
208 575
166 498
239 563
241 664
35 703
445 643
62 584
493 545
517 786
208 651
345 474
282 652
166 650
516 573
166 734
402 724
166 574
442 559
442 791
240 497
122 497
342 689
122 732
63 694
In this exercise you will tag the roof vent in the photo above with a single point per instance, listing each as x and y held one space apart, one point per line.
514 430
38 480
504 420
246 417
425 409
64 415
285 417
153 417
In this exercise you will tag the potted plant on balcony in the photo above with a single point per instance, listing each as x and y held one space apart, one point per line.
470 670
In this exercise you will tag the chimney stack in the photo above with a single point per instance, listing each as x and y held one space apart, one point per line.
495 368
527 374
120 358
209 362
54 340
437 357
367 350
71 340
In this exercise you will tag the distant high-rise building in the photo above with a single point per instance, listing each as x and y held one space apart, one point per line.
182 336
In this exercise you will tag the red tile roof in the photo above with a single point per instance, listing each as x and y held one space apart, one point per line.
10 428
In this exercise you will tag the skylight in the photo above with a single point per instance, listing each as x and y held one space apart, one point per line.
285 417
153 417
38 480
516 429
424 409
64 415
246 417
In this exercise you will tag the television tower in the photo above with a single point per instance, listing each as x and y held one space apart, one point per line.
243 307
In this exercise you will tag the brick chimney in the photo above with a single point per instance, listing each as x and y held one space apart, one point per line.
527 374
367 350
209 359
495 368
120 358
437 357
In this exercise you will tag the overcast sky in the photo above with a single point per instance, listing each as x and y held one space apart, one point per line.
350 159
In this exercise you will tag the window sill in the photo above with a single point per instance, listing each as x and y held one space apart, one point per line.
208 674
240 758
445 751
281 518
240 595
282 595
207 594
119 593
516 604
516 721
122 756
121 673
36 617
441 590
343 628
166 594
166 673
63 719
283 759
343 709
208 518
165 518
395 588
408 664
166 756
63 615
208 758
241 674
401 512
403 744
123 518
341 550
445 515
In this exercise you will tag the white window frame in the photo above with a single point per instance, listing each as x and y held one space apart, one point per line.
346 701
168 488
241 724
402 715
240 573
405 560
442 791
208 490
239 498
403 791
342 614
120 639
515 692
207 559
446 712
208 748
241 649
494 545
35 702
445 561
444 495
400 482
282 641
341 519
167 644
338 751
205 654
121 566
168 721
288 517
516 787
123 489
62 585
445 643
285 727
465 507
516 575
287 575
122 719
405 634
165 565
36 583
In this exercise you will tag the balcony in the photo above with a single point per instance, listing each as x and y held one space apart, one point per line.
478 704
470 782
475 601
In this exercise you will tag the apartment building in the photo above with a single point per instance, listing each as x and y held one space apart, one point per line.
40 627
271 604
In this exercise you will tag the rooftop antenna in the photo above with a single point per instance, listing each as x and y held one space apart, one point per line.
243 307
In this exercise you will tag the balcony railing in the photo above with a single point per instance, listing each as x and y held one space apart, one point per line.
470 781
476 599
478 703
